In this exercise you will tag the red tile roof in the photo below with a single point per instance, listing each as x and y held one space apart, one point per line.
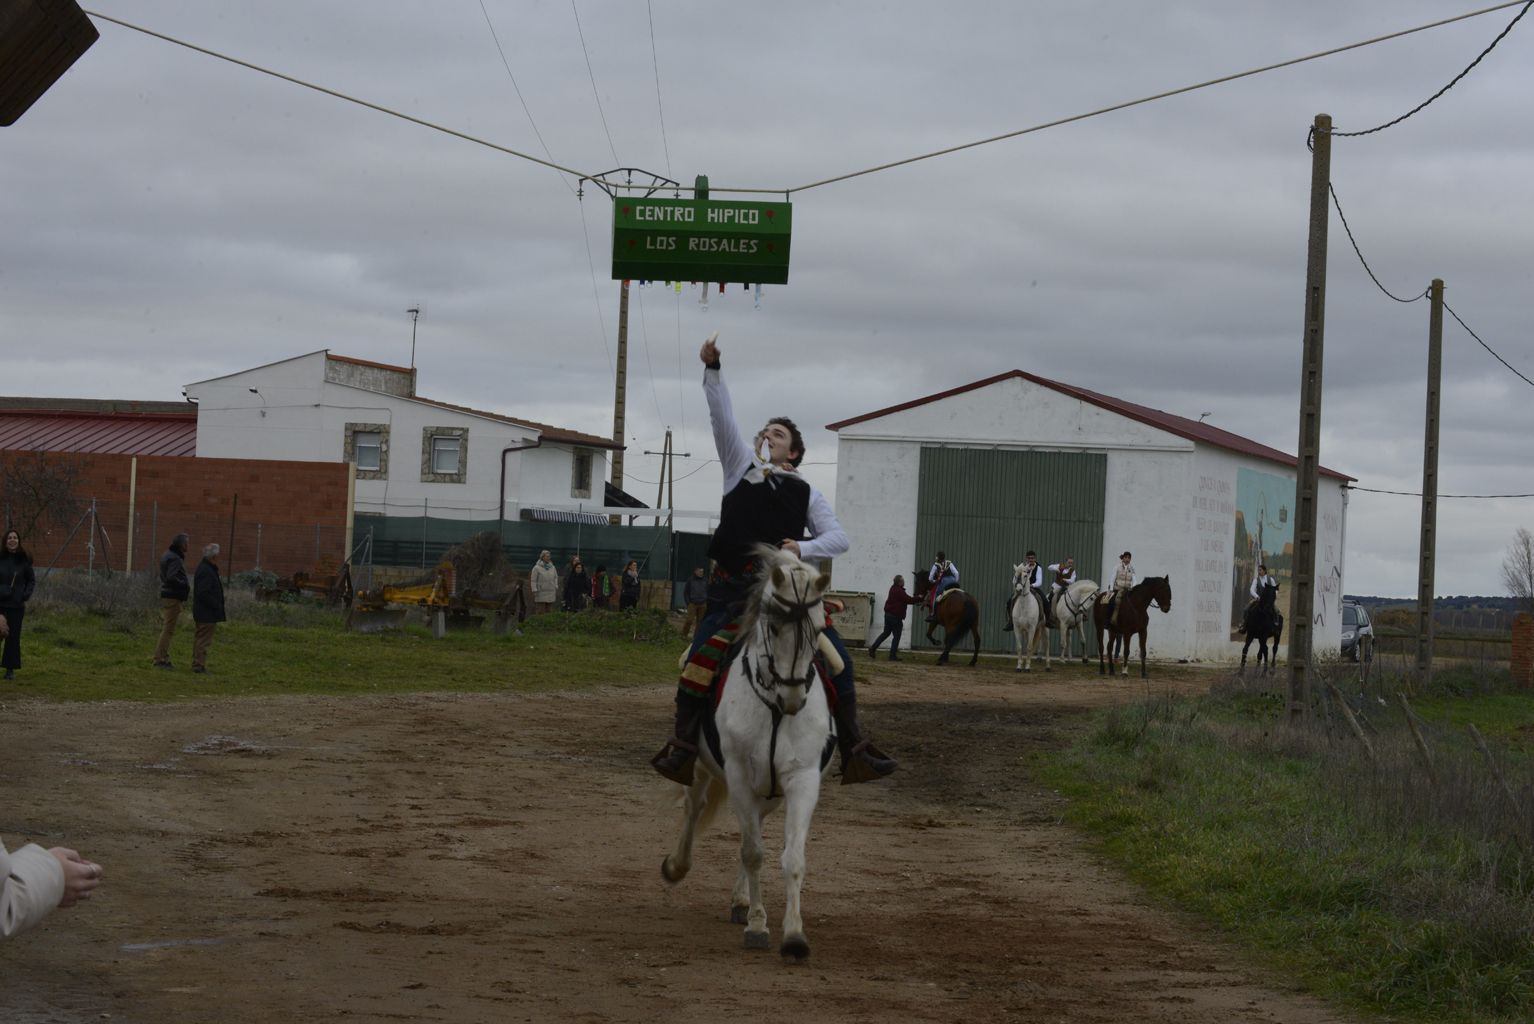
1193 430
107 432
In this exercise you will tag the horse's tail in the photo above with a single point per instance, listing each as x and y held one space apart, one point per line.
969 619
716 796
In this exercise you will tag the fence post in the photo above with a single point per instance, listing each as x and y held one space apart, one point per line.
425 515
1521 657
258 545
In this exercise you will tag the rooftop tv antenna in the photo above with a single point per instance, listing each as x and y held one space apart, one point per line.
415 314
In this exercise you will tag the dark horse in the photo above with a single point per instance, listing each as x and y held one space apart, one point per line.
957 612
1134 618
1262 623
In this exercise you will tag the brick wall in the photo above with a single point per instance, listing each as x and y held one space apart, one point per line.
1523 650
289 515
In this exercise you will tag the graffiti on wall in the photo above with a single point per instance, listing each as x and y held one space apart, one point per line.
1264 535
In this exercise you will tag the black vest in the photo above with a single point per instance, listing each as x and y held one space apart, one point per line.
763 513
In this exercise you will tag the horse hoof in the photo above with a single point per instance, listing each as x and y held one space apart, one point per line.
669 873
758 940
796 947
739 915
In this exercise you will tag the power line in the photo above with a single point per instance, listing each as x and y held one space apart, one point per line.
655 62
1338 204
593 75
525 109
1418 494
1487 347
596 292
1440 92
644 333
1133 103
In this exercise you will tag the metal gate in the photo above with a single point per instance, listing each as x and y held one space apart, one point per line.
985 507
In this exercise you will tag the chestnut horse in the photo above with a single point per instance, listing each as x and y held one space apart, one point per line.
956 611
1133 619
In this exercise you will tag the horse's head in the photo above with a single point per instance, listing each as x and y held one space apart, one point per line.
1020 576
919 583
1267 594
785 617
1162 594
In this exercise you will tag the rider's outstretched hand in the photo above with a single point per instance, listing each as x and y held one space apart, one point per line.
709 353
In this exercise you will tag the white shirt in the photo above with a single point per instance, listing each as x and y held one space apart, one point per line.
1054 574
1036 577
1258 583
739 462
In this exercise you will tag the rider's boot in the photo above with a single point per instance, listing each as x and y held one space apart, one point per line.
861 760
676 758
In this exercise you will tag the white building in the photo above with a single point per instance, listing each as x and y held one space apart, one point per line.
412 455
991 469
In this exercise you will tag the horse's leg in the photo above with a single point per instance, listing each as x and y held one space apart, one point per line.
1143 674
1126 640
675 867
1242 670
749 812
1017 641
1044 639
800 792
1102 650
974 634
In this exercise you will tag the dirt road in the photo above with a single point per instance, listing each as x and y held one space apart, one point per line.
496 858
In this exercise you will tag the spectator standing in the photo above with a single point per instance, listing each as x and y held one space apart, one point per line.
545 581
33 881
895 604
695 596
16 583
601 590
207 606
174 590
577 586
628 594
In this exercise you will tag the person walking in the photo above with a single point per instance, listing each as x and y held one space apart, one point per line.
174 590
695 596
895 604
17 581
207 606
577 586
629 589
545 584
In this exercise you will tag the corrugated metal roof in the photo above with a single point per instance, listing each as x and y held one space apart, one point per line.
99 433
1193 430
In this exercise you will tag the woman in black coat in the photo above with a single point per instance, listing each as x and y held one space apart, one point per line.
628 594
17 581
577 586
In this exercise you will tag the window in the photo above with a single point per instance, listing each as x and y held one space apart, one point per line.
444 454
580 473
367 446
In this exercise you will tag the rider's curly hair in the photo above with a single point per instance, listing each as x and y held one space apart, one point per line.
796 439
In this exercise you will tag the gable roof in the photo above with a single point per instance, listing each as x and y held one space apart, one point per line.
100 427
557 435
1193 430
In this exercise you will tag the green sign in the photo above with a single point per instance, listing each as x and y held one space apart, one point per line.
701 240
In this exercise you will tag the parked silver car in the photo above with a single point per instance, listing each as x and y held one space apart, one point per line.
1357 632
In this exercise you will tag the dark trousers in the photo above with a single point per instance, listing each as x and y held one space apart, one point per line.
719 615
892 627
12 656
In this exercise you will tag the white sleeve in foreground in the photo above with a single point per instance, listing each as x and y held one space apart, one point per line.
828 538
31 884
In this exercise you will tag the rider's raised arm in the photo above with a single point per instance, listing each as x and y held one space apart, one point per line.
734 453
827 538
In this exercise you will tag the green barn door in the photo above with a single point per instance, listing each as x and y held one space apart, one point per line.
984 508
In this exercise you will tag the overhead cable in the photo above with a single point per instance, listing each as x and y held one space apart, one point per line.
1356 249
593 75
1487 347
655 63
518 89
1418 494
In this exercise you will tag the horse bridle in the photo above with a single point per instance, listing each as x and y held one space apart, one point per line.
795 613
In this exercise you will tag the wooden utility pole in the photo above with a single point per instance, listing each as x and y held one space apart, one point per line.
1429 543
1307 475
620 391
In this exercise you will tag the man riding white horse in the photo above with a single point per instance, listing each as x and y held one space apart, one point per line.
1033 574
1062 574
766 501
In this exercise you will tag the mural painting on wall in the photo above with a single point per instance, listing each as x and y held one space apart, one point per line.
1264 536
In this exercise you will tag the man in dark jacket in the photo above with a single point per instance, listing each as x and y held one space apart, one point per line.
207 606
174 590
895 605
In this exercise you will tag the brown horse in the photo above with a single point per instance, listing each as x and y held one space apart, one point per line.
957 612
1133 618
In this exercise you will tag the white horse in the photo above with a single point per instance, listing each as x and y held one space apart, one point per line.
1073 610
1027 621
775 735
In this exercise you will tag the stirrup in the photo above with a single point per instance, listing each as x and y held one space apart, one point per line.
855 769
681 774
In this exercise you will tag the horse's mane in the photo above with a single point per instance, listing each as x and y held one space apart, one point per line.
767 558
1146 582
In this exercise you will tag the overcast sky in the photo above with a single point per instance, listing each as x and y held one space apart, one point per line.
166 217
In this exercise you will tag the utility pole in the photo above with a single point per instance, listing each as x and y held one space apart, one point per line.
1429 544
620 389
665 488
415 314
1307 469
